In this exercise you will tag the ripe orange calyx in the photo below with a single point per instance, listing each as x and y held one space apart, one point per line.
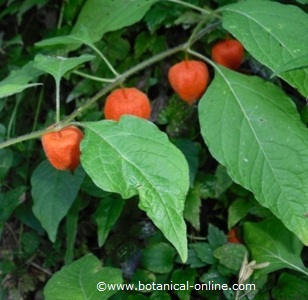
189 79
232 236
228 53
62 148
127 101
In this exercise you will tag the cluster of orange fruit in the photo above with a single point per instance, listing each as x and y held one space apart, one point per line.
188 78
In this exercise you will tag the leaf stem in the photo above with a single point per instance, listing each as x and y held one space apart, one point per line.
116 74
85 75
58 80
209 61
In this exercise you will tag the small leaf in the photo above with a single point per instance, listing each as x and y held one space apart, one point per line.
21 76
237 211
71 231
58 66
106 215
216 237
158 258
290 286
180 277
204 252
79 281
269 241
133 157
191 153
273 33
231 256
192 207
6 160
11 89
53 194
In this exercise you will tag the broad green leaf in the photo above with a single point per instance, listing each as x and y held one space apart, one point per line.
79 281
133 157
53 194
269 241
106 215
290 286
231 256
295 63
58 66
158 258
100 17
11 89
253 128
273 33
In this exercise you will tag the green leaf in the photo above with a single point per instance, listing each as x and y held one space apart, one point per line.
79 281
133 157
192 207
6 160
80 37
290 286
216 237
21 76
11 89
269 241
100 17
180 277
191 153
254 130
9 201
71 231
204 252
53 194
158 258
272 33
231 256
58 66
106 215
237 211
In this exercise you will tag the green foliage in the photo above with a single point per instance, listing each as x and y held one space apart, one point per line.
209 193
258 150
131 154
53 194
282 37
79 279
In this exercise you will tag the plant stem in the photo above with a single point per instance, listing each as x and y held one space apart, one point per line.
57 100
85 75
210 62
116 74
